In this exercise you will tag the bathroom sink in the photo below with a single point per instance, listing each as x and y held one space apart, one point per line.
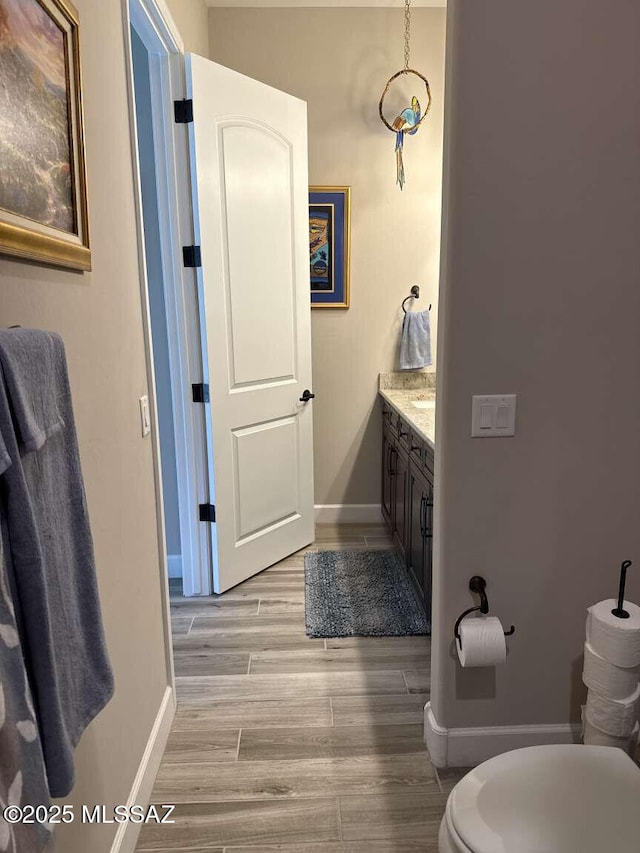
423 404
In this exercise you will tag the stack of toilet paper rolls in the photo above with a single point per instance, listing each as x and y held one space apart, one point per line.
612 674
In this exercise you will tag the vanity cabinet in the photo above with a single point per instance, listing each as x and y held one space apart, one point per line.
407 497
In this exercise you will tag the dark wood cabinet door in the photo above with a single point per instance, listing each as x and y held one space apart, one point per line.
428 541
417 545
386 478
400 474
416 540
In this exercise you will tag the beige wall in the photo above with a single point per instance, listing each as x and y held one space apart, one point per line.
541 297
191 18
339 60
99 317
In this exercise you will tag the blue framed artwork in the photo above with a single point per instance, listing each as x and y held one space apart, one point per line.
329 246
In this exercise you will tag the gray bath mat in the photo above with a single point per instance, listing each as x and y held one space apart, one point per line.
360 594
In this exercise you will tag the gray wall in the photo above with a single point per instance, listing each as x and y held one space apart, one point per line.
540 296
153 255
339 60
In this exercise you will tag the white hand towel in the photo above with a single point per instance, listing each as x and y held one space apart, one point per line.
415 346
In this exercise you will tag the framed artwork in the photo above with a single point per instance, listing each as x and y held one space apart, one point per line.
329 246
43 193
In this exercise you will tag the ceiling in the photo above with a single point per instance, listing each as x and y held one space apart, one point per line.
263 4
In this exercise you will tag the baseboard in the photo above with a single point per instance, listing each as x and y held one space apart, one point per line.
174 565
140 794
469 747
348 514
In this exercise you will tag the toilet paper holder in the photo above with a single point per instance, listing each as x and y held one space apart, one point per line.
479 586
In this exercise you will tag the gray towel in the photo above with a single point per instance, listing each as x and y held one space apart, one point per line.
415 346
23 778
50 550
30 356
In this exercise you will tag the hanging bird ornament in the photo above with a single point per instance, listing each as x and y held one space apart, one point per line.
406 122
410 119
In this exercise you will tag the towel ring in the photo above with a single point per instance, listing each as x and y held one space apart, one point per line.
415 294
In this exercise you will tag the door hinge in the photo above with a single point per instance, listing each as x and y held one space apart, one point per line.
191 256
200 392
207 512
183 111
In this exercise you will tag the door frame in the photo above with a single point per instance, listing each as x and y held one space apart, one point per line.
154 25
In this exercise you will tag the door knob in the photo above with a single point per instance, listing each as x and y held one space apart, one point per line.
306 396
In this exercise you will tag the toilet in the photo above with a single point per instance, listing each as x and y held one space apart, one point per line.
546 799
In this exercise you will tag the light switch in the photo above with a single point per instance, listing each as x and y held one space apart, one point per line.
493 416
485 417
145 416
502 417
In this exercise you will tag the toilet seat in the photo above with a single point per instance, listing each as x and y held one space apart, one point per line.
449 841
546 799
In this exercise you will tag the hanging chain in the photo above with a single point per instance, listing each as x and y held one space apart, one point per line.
407 32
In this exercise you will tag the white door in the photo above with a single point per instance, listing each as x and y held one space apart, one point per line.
249 164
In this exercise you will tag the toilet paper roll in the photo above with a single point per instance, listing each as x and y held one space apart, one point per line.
616 717
606 678
482 642
592 736
615 640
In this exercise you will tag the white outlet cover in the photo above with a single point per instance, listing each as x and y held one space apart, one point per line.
493 416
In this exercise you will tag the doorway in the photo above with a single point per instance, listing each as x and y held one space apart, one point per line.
158 315
169 294
232 162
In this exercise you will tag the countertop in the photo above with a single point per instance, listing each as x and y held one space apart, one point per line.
423 421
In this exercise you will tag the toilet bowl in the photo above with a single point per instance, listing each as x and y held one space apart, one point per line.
546 799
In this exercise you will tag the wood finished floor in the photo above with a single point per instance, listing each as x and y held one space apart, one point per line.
283 743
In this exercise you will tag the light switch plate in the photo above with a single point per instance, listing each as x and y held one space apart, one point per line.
493 416
145 416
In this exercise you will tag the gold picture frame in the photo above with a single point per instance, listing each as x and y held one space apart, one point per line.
43 183
330 246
